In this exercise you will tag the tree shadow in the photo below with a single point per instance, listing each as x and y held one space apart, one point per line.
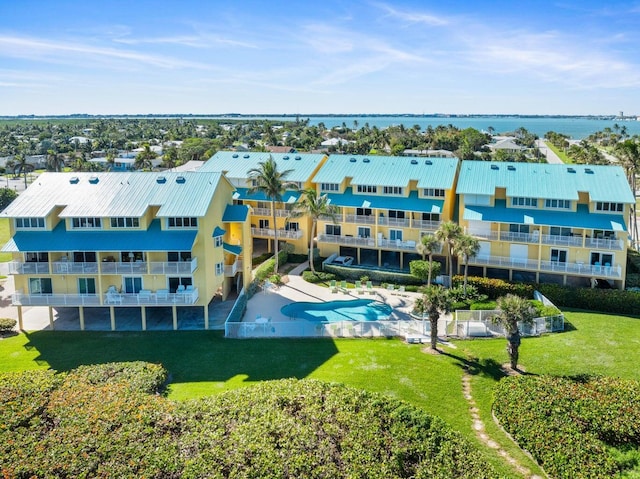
485 367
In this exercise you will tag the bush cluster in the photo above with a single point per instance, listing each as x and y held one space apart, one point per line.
378 276
7 325
266 269
494 288
572 426
606 300
92 423
318 277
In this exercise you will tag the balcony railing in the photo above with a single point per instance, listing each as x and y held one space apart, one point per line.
70 267
557 240
173 267
346 240
284 234
397 244
158 298
554 240
21 267
230 270
399 222
429 225
280 213
604 243
551 266
134 267
361 219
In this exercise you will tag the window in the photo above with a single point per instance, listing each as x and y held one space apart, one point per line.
600 234
364 232
522 201
264 224
36 257
430 216
558 255
483 200
606 206
516 228
396 214
181 284
132 284
219 269
29 222
559 231
395 235
367 189
363 211
601 259
178 256
293 226
393 190
561 204
86 286
433 192
264 205
86 222
329 186
217 241
40 286
131 256
84 257
182 222
125 222
332 230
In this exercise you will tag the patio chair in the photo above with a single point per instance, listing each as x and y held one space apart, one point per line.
343 286
144 296
332 285
162 294
391 288
113 298
370 287
359 287
401 291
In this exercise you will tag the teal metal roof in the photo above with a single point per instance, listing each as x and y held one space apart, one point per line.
152 239
243 194
108 194
218 232
410 203
542 180
578 219
235 165
389 171
232 248
235 213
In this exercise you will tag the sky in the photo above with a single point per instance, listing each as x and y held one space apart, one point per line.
114 57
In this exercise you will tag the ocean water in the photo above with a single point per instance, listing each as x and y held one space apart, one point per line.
577 128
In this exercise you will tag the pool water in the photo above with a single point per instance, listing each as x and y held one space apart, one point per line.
334 311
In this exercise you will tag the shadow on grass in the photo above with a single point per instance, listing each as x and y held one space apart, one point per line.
486 367
188 356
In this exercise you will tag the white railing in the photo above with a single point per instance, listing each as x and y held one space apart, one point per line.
289 234
21 299
72 267
21 267
552 266
479 324
112 267
604 243
111 299
230 270
426 224
173 267
361 219
397 244
557 240
280 213
399 222
346 240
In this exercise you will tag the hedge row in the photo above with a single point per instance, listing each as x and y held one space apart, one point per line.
87 423
494 288
378 276
572 426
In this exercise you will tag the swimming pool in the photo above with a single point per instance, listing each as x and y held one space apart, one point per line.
334 311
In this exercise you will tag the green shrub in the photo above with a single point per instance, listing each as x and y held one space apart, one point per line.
318 277
266 269
141 376
378 276
484 305
606 300
494 288
7 325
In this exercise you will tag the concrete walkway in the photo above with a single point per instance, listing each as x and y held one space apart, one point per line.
551 157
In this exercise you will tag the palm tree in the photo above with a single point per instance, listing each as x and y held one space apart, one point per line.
434 301
629 154
466 246
513 309
315 206
143 159
448 232
268 180
22 167
55 161
428 245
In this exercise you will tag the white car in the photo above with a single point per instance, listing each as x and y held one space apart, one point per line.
343 260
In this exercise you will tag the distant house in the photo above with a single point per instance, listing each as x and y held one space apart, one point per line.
335 142
507 144
280 149
429 153
81 140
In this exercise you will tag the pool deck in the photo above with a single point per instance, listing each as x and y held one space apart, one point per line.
269 302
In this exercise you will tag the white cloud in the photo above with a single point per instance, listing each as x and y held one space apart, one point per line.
413 16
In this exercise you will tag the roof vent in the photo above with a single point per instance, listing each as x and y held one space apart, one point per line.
414 162
571 170
235 155
181 179
285 157
245 156
589 171
352 160
298 158
428 162
93 180
495 167
366 160
511 168
74 180
161 179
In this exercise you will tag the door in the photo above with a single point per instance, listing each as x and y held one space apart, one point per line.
132 284
519 253
485 250
86 286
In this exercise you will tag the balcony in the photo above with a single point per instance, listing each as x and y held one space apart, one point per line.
230 270
428 225
557 240
604 243
280 213
578 268
397 222
158 298
282 234
21 267
397 244
70 267
553 240
361 219
346 240
134 267
173 267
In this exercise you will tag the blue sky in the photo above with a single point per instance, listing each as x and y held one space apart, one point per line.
525 57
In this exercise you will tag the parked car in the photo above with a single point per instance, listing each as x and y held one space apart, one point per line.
343 260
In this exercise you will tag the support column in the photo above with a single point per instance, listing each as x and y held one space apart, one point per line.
143 313
174 310
20 325
81 313
51 318
206 316
112 312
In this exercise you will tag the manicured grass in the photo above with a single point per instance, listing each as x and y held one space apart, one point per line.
4 237
561 154
204 363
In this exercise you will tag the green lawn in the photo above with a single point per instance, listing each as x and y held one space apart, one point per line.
4 237
561 154
204 363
